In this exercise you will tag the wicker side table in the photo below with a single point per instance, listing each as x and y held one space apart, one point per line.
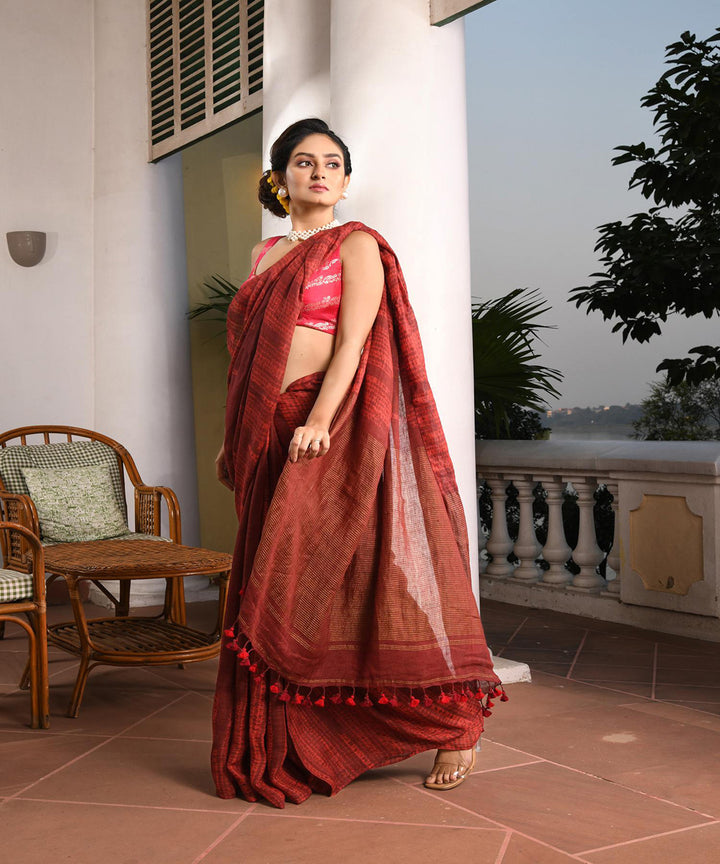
133 640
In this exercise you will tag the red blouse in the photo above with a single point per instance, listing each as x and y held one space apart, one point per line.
321 293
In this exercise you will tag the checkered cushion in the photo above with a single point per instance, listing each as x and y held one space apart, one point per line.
130 536
63 454
15 586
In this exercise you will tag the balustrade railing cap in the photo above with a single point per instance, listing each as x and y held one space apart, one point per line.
561 457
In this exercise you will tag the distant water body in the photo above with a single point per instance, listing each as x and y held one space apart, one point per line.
607 433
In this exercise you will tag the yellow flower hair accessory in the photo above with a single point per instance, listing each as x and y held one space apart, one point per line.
284 199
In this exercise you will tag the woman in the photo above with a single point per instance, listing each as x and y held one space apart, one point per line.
354 639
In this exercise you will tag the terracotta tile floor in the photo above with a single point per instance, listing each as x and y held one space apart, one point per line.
611 755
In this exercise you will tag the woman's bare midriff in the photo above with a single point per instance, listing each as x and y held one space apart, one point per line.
310 351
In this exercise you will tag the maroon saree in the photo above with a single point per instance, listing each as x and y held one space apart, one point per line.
352 637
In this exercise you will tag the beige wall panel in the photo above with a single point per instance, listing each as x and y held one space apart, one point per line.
666 544
669 542
222 224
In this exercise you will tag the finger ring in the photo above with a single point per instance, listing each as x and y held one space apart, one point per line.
317 441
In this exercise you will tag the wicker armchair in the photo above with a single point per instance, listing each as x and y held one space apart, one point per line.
65 446
22 593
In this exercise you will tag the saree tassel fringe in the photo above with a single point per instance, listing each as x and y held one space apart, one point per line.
364 697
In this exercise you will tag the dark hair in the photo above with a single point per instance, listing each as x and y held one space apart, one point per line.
280 156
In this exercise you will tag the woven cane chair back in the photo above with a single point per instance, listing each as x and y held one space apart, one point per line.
56 447
22 602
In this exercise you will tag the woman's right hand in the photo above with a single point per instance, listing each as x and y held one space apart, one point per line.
221 471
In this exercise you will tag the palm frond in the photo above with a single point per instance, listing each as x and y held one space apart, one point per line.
219 297
506 371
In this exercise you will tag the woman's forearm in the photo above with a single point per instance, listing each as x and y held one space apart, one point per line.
337 381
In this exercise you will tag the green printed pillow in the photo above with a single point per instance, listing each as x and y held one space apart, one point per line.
75 504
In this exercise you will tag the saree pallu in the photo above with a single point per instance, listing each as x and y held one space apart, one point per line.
283 751
352 636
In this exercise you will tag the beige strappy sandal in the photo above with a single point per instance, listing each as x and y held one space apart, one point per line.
441 761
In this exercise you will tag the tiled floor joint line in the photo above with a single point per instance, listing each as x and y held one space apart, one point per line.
577 654
125 805
204 693
650 837
156 674
654 670
41 734
51 675
594 684
503 849
686 684
225 833
423 791
163 738
507 767
634 695
93 749
514 634
315 817
615 783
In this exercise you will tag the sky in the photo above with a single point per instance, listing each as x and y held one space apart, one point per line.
552 87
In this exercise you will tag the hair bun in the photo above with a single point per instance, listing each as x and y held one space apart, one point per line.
268 198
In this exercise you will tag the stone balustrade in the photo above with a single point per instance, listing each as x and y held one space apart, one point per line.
625 531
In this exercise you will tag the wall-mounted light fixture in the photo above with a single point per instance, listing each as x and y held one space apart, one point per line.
26 247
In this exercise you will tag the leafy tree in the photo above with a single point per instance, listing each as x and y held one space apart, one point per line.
508 380
680 412
522 425
666 261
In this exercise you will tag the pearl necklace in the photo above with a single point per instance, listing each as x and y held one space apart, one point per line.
304 235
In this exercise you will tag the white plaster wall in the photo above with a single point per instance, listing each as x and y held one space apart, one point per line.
46 111
142 362
296 74
96 335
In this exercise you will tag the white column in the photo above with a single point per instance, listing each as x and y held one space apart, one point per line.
296 74
398 100
143 394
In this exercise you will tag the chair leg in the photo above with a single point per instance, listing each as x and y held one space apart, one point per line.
123 607
42 675
31 673
26 676
79 689
34 695
179 610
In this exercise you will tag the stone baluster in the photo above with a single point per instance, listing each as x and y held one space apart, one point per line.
500 542
556 550
527 547
613 558
587 554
